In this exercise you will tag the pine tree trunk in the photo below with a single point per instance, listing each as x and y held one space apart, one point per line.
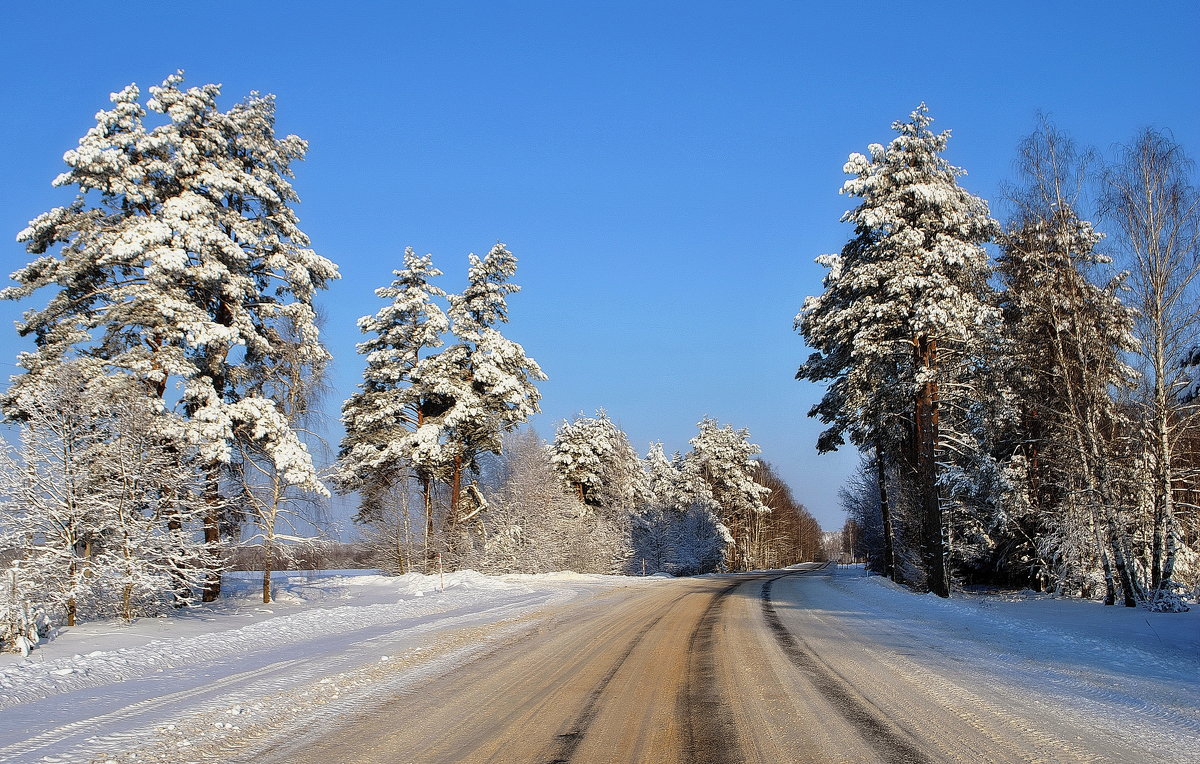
455 489
928 440
212 537
889 544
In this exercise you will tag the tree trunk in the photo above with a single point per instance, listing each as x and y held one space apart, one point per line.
266 578
212 537
889 544
927 443
455 490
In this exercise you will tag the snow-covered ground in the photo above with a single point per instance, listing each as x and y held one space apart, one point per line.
163 689
111 691
1061 669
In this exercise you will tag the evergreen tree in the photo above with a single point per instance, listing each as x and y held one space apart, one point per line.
391 422
486 379
724 458
597 462
677 530
176 264
897 329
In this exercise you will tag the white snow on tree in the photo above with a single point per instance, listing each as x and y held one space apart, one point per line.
102 511
392 421
677 530
724 459
176 264
597 462
905 308
486 378
533 525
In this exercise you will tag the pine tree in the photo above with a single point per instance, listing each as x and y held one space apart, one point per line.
900 318
486 378
176 264
724 458
392 422
595 459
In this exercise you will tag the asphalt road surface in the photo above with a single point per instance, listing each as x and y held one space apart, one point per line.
723 669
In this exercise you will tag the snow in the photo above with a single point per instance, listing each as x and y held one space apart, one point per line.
1108 672
237 671
106 689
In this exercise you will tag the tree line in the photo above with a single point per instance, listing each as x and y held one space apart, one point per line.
1028 418
165 412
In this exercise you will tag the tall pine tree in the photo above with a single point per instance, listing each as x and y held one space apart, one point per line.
178 263
898 327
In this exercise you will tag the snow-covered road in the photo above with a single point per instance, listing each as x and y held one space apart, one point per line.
161 688
767 667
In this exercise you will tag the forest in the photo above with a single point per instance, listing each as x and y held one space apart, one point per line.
1028 418
1024 394
164 416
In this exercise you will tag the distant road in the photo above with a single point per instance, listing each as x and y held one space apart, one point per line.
768 667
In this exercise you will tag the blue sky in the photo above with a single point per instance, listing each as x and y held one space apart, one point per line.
665 172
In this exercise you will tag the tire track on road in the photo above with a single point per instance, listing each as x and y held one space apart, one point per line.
569 741
709 727
891 743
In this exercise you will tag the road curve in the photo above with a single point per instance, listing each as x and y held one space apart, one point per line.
702 671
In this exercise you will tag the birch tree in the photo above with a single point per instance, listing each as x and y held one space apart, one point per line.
1149 197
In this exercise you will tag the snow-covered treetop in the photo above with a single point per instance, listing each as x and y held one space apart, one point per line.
594 457
483 303
724 457
181 246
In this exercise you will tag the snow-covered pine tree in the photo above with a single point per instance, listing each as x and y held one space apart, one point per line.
486 378
176 263
1066 341
393 422
676 530
724 459
597 462
900 317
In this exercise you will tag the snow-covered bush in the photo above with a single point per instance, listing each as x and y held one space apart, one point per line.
531 524
23 621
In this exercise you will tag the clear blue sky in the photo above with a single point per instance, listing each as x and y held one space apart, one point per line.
665 172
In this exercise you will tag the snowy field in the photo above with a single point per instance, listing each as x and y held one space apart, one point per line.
223 677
